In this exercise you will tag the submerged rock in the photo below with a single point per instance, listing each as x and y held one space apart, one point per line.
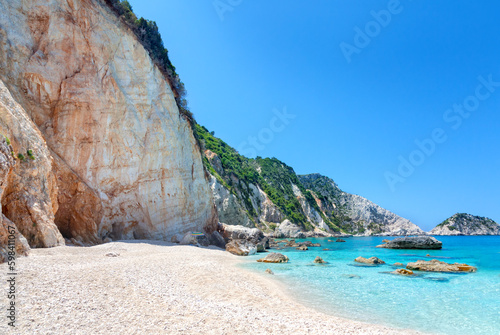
371 260
398 264
386 240
241 248
319 260
340 240
274 257
439 266
413 242
269 271
403 272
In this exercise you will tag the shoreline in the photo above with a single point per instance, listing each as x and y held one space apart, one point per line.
163 288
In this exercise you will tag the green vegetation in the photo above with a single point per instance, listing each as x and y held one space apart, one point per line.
21 157
7 140
274 177
149 36
30 155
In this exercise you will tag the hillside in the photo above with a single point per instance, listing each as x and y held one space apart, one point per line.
265 191
466 224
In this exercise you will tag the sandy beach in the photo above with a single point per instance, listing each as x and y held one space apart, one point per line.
158 288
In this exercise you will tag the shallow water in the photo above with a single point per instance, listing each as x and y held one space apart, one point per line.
430 302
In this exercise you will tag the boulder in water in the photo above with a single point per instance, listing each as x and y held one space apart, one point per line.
241 247
435 265
319 260
371 260
274 257
413 242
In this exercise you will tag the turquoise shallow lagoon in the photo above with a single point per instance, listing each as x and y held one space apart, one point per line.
432 302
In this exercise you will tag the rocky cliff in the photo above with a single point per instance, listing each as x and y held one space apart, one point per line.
113 155
266 193
466 224
353 213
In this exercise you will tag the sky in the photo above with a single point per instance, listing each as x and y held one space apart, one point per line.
397 101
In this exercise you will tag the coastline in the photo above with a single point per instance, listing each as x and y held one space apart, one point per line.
162 288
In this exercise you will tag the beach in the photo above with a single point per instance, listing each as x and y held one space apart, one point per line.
137 287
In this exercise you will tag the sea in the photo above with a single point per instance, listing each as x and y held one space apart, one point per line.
438 303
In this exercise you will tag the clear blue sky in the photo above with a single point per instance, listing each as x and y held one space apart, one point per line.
353 120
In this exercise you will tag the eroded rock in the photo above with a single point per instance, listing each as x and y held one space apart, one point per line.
371 260
435 265
413 242
274 257
241 247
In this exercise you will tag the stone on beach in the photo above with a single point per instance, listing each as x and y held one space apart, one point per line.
439 266
371 260
274 257
413 242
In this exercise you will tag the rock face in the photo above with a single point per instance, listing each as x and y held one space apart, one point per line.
466 224
11 241
413 242
371 260
355 214
274 257
289 230
126 162
439 266
29 190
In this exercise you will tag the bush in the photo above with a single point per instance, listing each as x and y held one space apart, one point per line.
21 157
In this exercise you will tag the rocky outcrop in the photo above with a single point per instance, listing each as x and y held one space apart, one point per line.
439 266
12 243
29 191
413 242
466 224
274 257
228 206
241 247
371 260
287 229
353 213
109 116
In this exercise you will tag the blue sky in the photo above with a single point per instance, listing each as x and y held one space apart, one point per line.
356 118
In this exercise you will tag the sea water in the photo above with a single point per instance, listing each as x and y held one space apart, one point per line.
441 303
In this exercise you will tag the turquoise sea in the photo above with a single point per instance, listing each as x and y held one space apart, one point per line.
431 302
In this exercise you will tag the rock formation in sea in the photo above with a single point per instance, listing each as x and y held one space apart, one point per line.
466 224
439 266
112 155
413 242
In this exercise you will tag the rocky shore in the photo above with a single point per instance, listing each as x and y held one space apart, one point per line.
159 288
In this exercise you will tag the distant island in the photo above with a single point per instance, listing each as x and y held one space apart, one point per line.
466 224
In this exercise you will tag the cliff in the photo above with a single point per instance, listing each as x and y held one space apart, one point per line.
113 155
266 193
353 213
466 224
